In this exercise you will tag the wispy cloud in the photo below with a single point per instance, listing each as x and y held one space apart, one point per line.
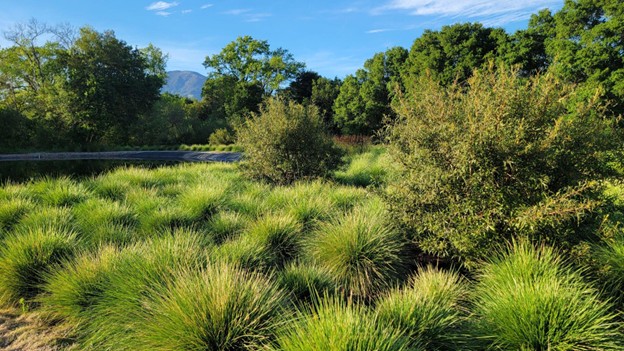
236 12
331 63
161 6
184 12
163 13
256 17
205 6
248 15
495 12
380 30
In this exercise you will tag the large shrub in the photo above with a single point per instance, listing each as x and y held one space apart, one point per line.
286 142
496 157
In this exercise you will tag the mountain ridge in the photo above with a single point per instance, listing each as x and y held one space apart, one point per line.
184 83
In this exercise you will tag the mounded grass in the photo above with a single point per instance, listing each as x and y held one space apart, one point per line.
339 325
71 292
219 308
226 225
306 282
26 258
362 253
102 221
529 299
47 218
279 235
11 211
610 259
366 169
431 310
118 313
61 191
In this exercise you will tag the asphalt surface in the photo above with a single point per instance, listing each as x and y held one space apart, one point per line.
187 156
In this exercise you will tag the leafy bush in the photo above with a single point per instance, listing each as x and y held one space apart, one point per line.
336 325
529 299
500 156
431 310
286 142
221 136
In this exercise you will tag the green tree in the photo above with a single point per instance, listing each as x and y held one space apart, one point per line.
252 61
588 47
300 89
454 52
364 99
110 84
527 48
324 94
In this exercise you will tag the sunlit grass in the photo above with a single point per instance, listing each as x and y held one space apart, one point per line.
26 257
529 299
431 309
219 308
363 254
338 325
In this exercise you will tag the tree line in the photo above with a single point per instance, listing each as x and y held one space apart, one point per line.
62 88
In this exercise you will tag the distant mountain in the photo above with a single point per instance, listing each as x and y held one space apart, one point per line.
184 83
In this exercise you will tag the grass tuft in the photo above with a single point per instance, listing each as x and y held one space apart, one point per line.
25 259
431 310
529 299
360 251
219 308
336 325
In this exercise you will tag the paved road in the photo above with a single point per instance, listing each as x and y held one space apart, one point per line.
188 156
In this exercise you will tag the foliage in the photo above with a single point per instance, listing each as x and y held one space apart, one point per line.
363 254
26 257
499 157
249 60
332 325
452 53
431 310
364 99
286 142
529 299
110 85
222 136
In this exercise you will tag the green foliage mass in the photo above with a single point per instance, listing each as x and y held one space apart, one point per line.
286 142
499 157
530 299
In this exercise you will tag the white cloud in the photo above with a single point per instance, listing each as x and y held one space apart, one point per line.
380 30
494 12
184 12
161 5
163 13
203 7
256 17
236 12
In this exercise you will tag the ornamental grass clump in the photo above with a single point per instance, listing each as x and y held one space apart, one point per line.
25 259
342 326
431 309
529 299
494 158
360 250
218 308
286 142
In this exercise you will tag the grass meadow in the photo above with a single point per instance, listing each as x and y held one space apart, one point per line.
197 257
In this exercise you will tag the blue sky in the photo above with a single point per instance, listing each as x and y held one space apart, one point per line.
333 38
